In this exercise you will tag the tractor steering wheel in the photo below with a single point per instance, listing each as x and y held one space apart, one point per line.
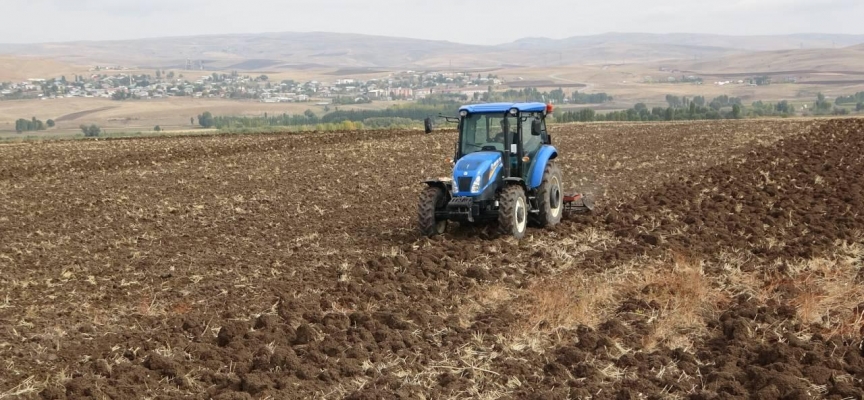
489 148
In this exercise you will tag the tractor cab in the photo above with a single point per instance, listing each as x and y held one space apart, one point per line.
516 134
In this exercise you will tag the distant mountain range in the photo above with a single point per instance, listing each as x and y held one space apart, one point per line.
291 50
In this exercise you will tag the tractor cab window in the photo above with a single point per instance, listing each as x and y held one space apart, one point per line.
485 132
530 143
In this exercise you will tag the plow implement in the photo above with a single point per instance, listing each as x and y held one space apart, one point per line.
578 204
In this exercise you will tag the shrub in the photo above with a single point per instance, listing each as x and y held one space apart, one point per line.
91 131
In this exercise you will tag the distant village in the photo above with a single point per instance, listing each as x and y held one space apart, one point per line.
119 83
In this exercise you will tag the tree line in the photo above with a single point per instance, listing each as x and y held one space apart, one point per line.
698 108
851 99
641 112
208 120
679 108
33 124
555 96
391 116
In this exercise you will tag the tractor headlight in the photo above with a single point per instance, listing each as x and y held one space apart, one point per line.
514 111
463 113
475 185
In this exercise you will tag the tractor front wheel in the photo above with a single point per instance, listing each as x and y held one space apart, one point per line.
549 197
431 199
513 212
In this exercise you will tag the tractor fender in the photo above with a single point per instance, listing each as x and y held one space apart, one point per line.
535 176
443 184
514 181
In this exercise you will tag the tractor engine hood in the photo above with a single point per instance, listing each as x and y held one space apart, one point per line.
474 172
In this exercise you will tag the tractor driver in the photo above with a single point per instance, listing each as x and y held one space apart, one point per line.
499 137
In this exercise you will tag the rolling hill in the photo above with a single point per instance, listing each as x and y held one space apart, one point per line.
845 61
21 68
294 50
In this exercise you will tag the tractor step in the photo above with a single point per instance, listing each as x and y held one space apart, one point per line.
578 204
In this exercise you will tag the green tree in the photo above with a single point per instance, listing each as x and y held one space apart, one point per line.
670 114
91 131
821 105
25 125
157 128
21 125
206 119
859 107
50 123
736 111
557 95
309 114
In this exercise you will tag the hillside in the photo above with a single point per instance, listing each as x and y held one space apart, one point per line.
845 61
21 68
293 50
698 41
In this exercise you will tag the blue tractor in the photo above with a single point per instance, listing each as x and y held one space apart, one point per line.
504 170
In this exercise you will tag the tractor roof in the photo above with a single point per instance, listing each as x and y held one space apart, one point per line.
503 107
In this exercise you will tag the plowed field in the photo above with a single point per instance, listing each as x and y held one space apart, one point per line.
724 261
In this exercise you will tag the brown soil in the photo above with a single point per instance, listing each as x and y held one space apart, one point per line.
288 266
79 114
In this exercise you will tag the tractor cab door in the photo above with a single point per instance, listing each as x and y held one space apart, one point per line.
530 143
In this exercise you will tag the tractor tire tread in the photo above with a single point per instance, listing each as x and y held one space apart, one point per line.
429 201
507 223
544 217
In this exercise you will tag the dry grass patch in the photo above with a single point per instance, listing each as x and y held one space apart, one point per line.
580 299
687 298
677 298
827 292
680 298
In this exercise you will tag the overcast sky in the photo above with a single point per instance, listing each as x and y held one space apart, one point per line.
464 21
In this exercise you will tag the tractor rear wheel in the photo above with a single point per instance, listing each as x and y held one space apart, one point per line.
513 212
549 197
431 199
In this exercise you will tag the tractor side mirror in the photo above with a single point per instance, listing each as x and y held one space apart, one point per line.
536 127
